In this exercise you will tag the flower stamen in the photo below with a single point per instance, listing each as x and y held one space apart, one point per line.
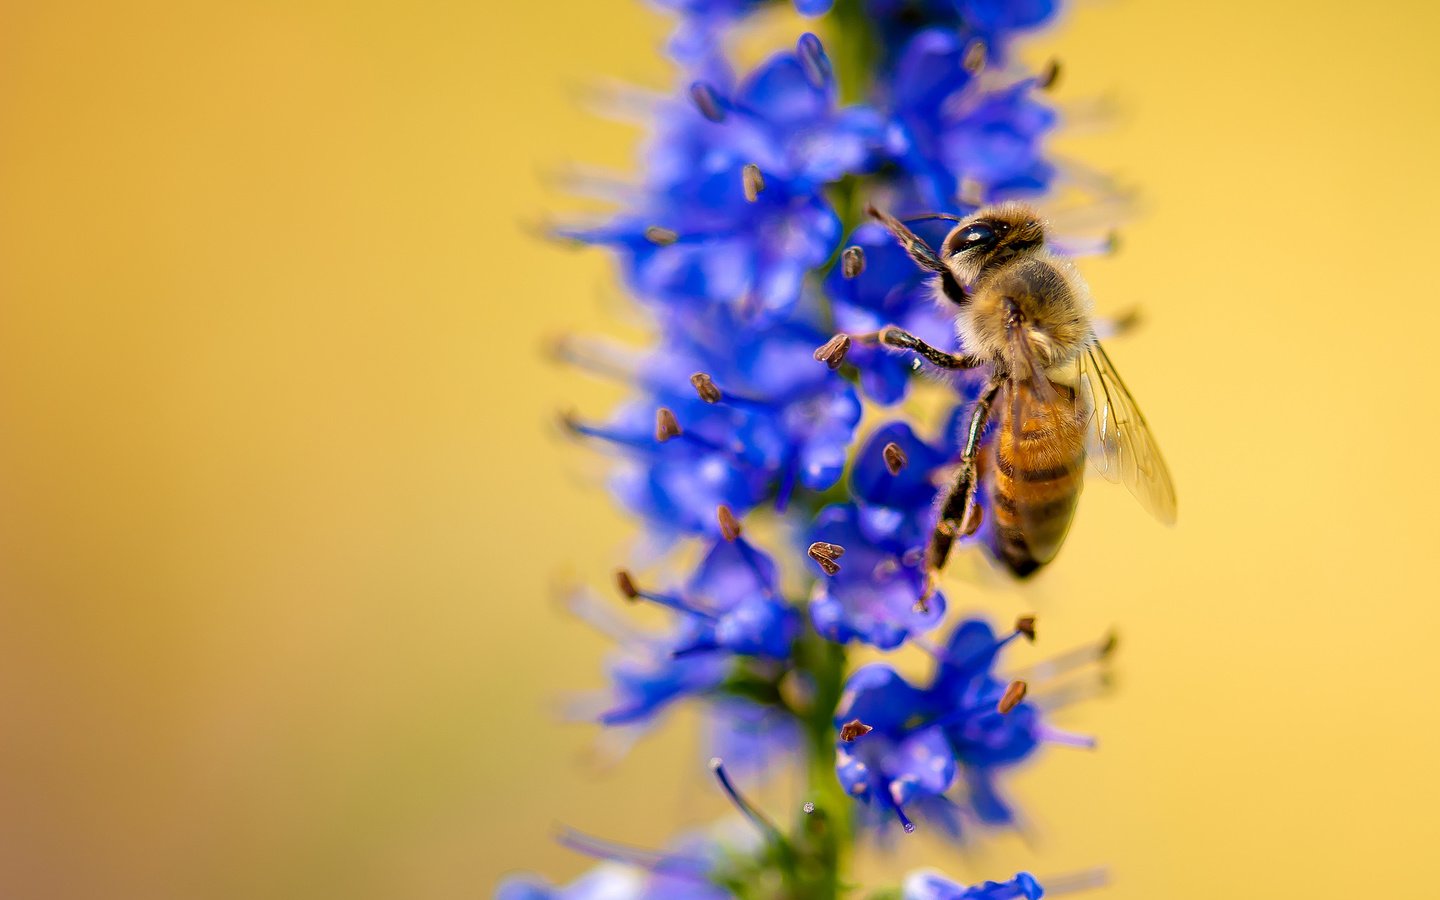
666 425
1012 697
707 101
895 458
832 352
826 555
757 818
752 182
729 525
632 592
705 387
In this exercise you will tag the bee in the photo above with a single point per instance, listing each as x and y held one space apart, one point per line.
1023 313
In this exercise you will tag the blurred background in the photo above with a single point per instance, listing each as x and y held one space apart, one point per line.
282 506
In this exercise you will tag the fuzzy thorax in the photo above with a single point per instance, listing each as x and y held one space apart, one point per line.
1013 280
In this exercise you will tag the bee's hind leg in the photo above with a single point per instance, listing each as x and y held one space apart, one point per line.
959 513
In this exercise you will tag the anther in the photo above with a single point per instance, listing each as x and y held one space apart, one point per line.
852 261
729 525
1107 646
854 729
813 60
752 181
626 584
707 101
705 387
972 192
660 236
1047 79
826 554
666 426
974 58
1012 697
895 458
1026 625
832 352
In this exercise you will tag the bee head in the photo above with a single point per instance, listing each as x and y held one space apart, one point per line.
991 237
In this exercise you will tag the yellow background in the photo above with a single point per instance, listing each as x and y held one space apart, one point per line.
281 507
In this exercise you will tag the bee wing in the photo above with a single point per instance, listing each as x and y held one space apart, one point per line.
1120 444
1050 423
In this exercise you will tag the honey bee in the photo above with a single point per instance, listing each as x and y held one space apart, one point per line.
1024 313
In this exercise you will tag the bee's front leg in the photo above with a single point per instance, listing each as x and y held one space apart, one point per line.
833 351
959 513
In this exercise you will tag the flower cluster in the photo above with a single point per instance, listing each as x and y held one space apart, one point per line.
742 452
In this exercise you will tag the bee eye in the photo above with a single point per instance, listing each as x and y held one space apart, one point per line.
978 235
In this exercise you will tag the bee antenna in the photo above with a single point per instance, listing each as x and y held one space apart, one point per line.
928 216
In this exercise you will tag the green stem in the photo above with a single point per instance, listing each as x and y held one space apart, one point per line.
826 833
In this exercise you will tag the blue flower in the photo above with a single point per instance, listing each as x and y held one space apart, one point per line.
949 128
964 698
872 598
891 291
779 422
916 744
649 677
995 23
607 881
705 230
751 736
931 885
896 509
726 243
628 873
729 649
894 763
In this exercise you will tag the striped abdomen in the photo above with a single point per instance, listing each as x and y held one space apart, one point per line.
1035 470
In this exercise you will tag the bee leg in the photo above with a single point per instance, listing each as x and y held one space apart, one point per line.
900 339
959 514
923 254
832 353
915 245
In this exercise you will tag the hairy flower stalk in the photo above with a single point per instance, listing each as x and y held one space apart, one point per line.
777 305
